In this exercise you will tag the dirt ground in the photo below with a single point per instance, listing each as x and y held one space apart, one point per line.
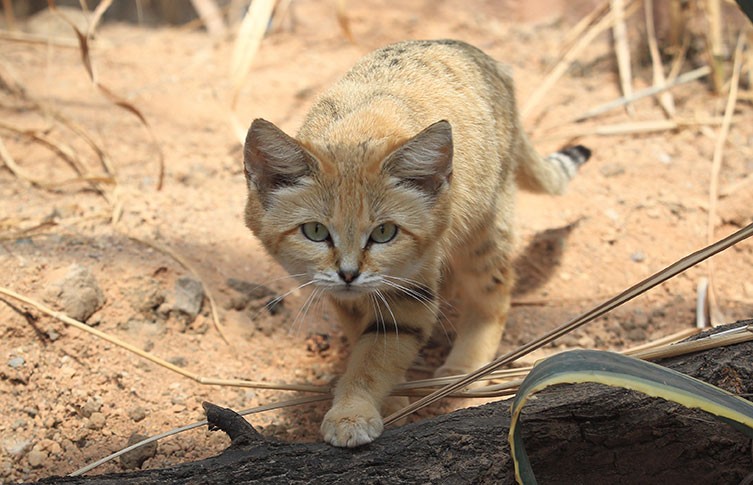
69 398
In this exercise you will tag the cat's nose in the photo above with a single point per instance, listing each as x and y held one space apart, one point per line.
348 275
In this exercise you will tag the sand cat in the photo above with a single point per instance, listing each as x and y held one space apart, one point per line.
396 194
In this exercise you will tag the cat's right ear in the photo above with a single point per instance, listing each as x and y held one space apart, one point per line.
424 161
272 159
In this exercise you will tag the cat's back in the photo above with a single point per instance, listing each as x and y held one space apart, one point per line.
415 83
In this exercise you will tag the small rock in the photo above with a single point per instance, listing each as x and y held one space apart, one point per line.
53 335
636 335
16 448
638 257
188 298
136 458
92 405
77 293
612 170
16 362
137 414
252 291
179 361
665 158
97 421
36 458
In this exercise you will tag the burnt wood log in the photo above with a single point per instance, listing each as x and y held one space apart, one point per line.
574 434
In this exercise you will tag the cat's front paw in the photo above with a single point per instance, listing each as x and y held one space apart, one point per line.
352 425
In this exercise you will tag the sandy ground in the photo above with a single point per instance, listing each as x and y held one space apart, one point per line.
69 398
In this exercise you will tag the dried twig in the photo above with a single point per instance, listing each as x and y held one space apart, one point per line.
653 90
665 99
622 50
211 17
716 164
632 127
597 311
251 33
86 59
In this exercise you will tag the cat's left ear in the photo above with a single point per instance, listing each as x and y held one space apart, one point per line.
273 159
424 161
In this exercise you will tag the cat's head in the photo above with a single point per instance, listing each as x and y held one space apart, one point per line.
352 218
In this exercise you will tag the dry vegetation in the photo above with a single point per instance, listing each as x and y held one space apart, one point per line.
120 155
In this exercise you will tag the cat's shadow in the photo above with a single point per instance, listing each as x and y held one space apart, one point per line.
541 257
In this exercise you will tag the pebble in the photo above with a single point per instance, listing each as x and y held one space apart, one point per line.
36 458
178 361
612 169
16 448
137 414
136 458
53 335
748 289
638 257
16 362
188 297
97 421
77 293
93 405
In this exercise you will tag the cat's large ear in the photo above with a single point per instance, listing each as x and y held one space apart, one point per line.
424 161
273 159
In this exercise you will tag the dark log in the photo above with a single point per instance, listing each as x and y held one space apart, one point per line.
573 434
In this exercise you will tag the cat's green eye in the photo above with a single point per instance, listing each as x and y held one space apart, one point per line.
315 231
384 233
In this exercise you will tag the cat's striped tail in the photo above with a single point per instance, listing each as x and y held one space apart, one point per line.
552 173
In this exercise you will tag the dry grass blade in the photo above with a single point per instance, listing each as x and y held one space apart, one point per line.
715 43
211 17
665 99
10 19
729 337
535 98
26 38
622 49
251 33
183 262
597 311
83 41
96 17
343 21
715 313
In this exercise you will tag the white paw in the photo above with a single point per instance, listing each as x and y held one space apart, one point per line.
352 425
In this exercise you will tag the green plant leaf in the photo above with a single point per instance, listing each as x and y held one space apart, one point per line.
617 370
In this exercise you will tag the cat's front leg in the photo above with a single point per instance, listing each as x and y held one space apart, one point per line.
380 357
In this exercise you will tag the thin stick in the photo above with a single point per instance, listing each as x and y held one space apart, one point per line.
715 314
267 407
665 99
633 127
211 17
153 358
643 93
26 38
621 49
251 33
597 311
